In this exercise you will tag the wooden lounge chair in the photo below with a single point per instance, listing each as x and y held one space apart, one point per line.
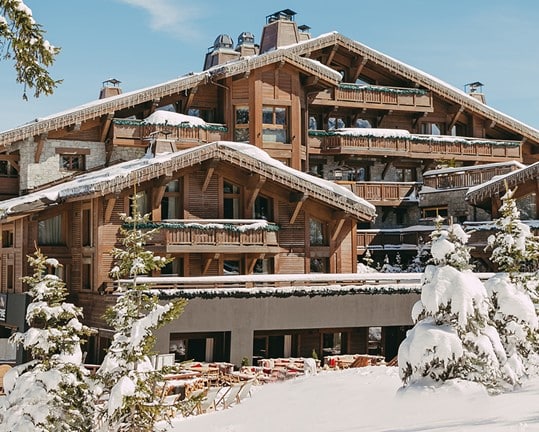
208 402
231 395
245 390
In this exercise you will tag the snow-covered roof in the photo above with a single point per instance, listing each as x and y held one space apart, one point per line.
292 54
443 171
116 178
479 193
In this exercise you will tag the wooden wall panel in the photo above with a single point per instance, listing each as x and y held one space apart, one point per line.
202 205
283 89
240 89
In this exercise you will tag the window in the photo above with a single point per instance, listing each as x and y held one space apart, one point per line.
241 123
275 124
10 277
86 227
263 266
458 129
72 162
318 235
433 212
319 265
231 201
142 203
7 170
263 208
50 231
231 267
432 128
173 268
86 274
171 203
7 238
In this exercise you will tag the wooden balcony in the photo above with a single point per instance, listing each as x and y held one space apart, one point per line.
218 236
384 193
137 134
414 146
376 97
465 177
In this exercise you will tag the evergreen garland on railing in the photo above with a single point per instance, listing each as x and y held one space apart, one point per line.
186 125
206 227
424 139
382 89
244 293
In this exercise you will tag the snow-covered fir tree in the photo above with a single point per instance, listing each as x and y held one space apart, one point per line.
52 392
130 380
514 250
452 337
419 262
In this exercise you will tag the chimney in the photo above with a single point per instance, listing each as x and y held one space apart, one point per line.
221 52
304 33
280 30
475 90
110 88
246 44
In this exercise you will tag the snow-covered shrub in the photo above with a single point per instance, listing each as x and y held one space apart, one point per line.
53 391
452 337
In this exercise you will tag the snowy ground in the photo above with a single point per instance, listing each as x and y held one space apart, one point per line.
366 399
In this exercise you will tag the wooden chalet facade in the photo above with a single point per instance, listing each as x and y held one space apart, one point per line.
329 108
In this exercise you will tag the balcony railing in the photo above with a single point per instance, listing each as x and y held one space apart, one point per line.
393 239
465 177
365 96
136 133
413 146
384 193
217 236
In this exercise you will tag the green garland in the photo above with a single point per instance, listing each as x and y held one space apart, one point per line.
209 127
208 294
202 227
382 89
423 139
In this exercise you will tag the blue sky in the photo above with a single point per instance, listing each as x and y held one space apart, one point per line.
147 42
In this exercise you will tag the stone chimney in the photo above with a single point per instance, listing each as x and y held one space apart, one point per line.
110 88
221 52
280 30
475 90
304 33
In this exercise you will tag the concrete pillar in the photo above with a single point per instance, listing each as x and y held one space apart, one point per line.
241 344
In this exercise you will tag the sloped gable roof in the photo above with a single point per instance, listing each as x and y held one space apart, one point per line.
292 54
114 179
480 193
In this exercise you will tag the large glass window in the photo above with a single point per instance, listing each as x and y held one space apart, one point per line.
318 235
50 231
231 201
275 124
263 208
171 203
241 123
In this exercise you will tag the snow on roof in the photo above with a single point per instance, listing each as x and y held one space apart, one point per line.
473 167
162 117
120 176
497 181
378 132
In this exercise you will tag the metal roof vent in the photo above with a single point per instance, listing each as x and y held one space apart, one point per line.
223 41
475 90
110 88
285 14
246 38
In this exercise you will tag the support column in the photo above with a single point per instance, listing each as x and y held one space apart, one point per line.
241 345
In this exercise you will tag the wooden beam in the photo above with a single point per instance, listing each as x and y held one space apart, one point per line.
109 206
190 98
13 159
339 223
209 174
40 141
299 205
105 127
386 167
207 259
359 65
254 185
332 54
455 119
250 262
311 81
158 191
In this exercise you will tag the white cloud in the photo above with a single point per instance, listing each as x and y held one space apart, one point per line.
175 17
